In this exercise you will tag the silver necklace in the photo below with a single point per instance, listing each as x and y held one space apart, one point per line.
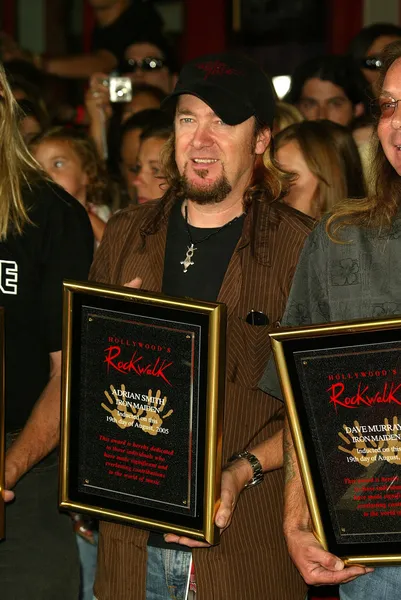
187 262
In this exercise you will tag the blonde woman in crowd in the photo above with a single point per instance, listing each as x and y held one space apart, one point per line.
286 115
150 181
325 164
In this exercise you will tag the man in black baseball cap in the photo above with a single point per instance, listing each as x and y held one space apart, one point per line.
234 86
218 233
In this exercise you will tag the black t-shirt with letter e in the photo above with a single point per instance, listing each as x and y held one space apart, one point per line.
56 245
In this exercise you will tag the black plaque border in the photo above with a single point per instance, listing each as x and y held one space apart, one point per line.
285 343
211 318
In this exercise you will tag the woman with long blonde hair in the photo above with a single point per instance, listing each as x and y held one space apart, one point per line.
17 167
324 161
45 237
350 268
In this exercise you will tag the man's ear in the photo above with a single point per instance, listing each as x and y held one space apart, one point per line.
263 140
359 109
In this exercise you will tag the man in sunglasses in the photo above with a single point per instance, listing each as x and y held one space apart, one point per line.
367 47
149 60
366 235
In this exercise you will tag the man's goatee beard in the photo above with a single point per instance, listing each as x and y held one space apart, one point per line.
212 194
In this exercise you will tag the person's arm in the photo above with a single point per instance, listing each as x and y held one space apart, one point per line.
316 566
234 478
99 111
78 67
239 472
41 432
308 302
98 226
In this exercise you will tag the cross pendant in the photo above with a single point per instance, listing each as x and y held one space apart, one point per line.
187 262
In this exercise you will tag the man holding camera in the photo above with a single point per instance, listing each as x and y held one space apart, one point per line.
218 233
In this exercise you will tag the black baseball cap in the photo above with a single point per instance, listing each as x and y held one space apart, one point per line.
235 87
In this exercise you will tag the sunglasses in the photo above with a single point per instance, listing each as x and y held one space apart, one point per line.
372 63
148 64
383 108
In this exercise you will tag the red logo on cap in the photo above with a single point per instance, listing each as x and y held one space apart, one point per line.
217 68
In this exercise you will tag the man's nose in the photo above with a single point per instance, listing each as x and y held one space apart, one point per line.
322 111
138 177
202 137
138 75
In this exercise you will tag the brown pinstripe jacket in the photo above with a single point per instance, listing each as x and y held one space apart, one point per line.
251 562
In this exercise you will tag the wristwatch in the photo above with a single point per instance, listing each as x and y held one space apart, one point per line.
255 464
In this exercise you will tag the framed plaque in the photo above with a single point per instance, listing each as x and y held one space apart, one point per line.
142 408
2 430
342 388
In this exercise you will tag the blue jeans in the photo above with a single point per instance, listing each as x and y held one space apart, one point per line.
167 574
88 559
383 584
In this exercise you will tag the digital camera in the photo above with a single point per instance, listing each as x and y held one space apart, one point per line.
120 89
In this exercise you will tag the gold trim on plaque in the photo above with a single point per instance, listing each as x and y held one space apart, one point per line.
277 338
215 391
214 432
297 437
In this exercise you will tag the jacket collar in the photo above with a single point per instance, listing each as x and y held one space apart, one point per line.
259 217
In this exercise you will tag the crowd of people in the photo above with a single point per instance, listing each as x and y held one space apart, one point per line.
116 190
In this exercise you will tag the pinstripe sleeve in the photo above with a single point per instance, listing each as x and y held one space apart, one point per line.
308 299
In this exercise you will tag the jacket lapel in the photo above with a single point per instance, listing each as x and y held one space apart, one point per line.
230 289
154 235
156 247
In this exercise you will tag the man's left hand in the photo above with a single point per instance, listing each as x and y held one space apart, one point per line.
233 481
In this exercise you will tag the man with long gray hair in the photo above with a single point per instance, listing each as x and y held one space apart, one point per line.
350 269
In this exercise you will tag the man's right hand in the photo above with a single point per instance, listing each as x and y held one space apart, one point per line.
97 97
135 283
317 566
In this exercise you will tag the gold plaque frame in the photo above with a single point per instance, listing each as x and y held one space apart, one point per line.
302 357
78 297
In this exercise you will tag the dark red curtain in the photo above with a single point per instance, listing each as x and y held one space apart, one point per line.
87 26
205 27
8 9
345 19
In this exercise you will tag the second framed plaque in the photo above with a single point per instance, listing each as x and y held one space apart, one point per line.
342 387
142 408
